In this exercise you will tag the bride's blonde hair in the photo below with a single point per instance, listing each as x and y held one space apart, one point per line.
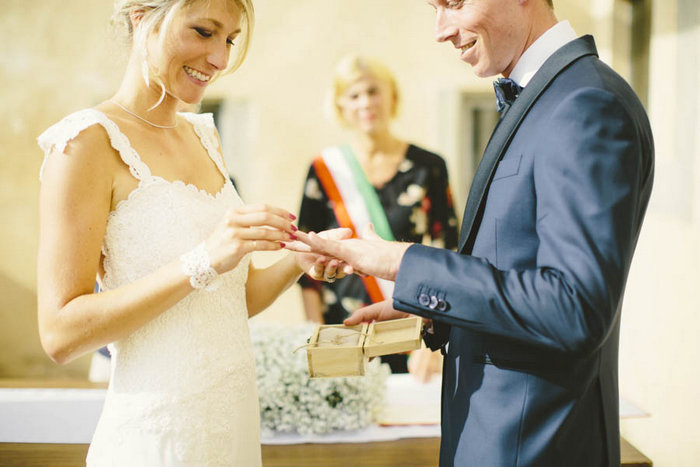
158 14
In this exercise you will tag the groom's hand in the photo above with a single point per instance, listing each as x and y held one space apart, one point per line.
369 255
319 267
380 311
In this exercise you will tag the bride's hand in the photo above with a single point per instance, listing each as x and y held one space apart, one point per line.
324 268
246 229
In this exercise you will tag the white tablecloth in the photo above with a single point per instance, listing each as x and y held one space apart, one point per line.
70 415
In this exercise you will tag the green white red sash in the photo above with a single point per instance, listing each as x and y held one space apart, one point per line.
355 204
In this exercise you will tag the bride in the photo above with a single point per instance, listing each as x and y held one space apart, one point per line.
137 194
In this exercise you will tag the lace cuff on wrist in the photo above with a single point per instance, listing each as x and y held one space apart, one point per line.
196 265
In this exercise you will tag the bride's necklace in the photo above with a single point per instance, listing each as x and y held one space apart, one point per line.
166 127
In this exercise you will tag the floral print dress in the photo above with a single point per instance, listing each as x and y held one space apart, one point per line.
418 205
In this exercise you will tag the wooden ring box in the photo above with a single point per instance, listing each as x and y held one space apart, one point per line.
336 350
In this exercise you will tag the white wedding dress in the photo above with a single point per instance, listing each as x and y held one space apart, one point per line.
183 387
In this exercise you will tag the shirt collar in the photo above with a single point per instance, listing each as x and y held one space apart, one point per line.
539 51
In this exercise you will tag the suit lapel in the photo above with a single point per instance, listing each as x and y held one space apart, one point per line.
506 128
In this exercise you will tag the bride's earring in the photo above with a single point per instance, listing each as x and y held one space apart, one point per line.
145 71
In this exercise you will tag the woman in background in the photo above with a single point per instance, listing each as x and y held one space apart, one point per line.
377 177
137 194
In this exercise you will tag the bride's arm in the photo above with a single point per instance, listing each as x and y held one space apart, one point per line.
265 285
74 205
75 201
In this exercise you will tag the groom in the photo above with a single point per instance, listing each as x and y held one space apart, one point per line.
527 312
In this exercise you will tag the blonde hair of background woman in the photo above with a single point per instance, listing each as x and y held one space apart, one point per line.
158 15
348 71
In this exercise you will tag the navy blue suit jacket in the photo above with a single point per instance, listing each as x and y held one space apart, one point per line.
530 304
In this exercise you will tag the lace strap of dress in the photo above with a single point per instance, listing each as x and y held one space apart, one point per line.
204 127
58 135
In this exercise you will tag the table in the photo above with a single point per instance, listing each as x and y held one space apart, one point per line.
403 452
398 452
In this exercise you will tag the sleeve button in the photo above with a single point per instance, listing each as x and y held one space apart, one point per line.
423 299
433 302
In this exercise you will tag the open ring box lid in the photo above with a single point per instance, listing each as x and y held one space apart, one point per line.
336 350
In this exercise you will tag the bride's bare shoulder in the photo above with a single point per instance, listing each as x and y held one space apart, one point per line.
77 146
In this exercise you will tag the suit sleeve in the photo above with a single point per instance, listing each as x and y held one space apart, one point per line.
589 179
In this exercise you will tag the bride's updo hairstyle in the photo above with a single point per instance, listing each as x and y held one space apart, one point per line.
158 15
351 69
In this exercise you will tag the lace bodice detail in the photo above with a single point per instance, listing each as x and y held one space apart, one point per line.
194 360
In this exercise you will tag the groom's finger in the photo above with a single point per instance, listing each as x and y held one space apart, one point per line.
298 246
356 317
303 242
341 233
368 313
368 233
347 269
320 245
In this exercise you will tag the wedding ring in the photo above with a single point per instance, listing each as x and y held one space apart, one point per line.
329 279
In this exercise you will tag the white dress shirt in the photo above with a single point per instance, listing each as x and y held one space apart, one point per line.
544 47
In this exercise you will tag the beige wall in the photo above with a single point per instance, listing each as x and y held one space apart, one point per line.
58 56
51 63
659 348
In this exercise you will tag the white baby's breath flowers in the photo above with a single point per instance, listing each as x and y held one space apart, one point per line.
292 402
